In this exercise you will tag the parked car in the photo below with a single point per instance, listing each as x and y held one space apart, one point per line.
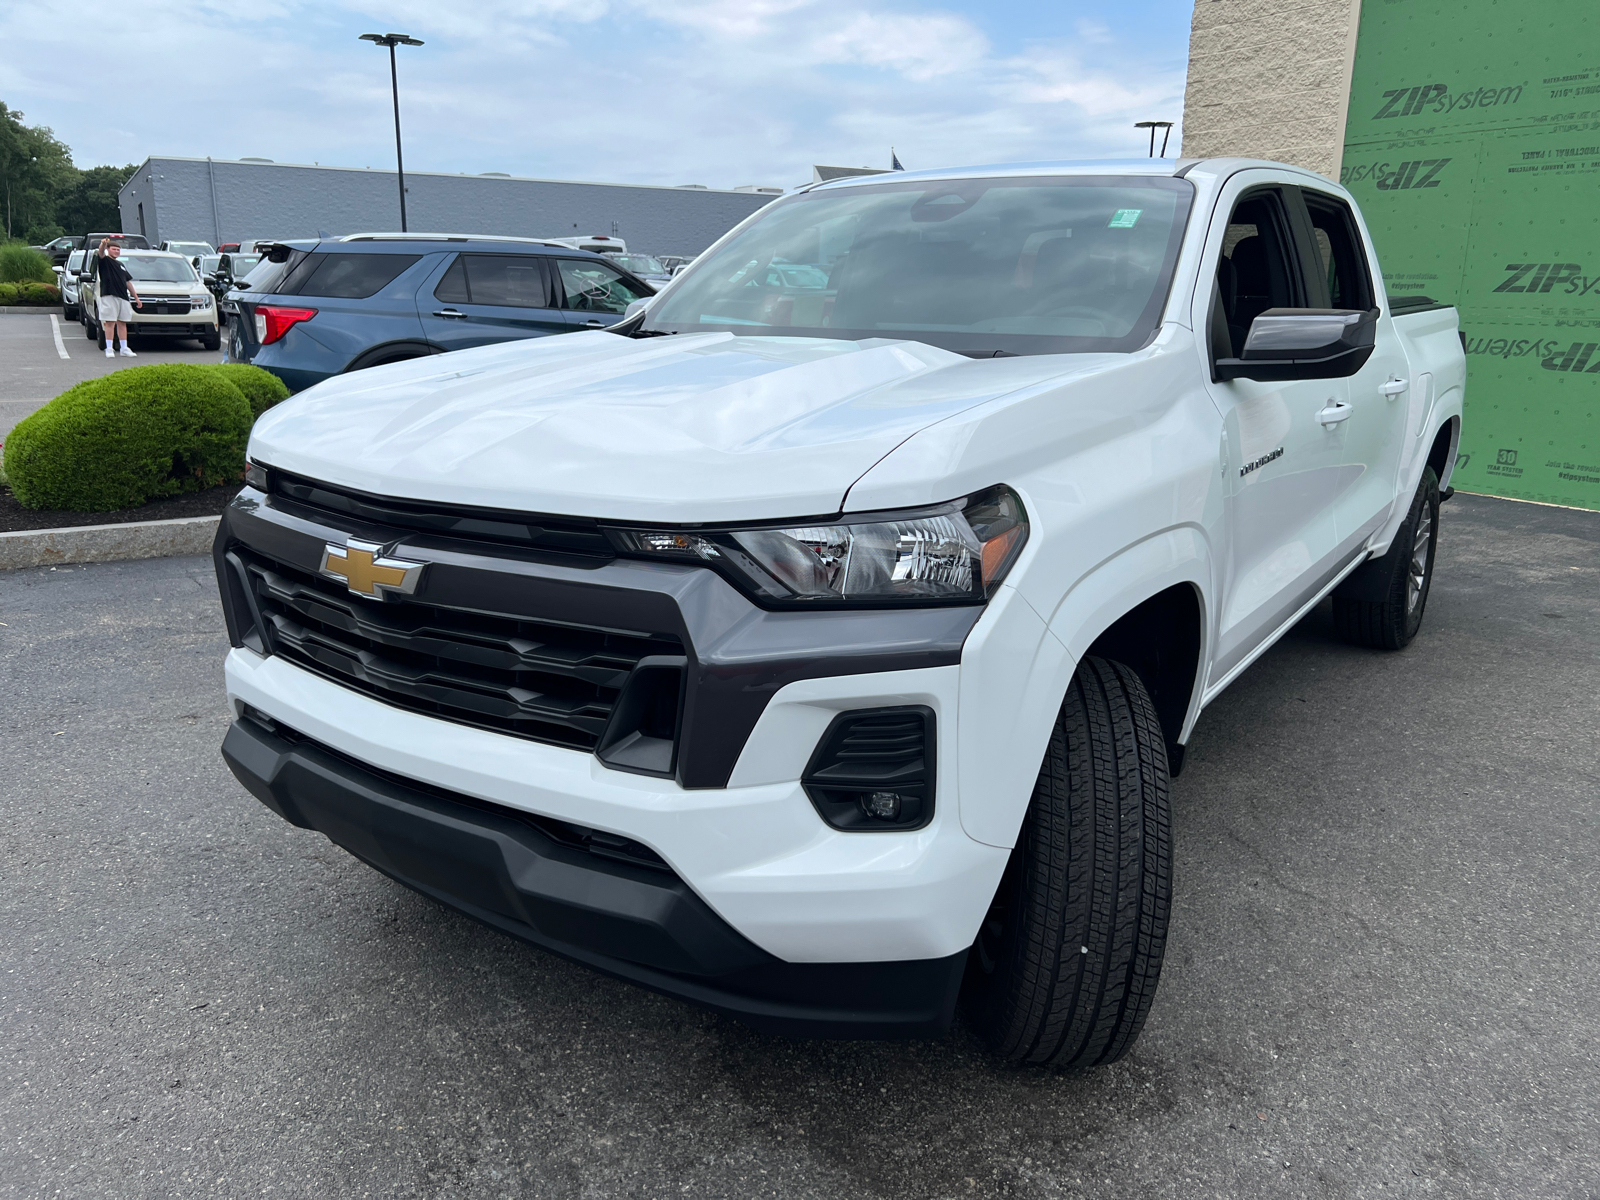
672 262
818 647
643 266
221 272
189 250
61 248
174 303
366 299
595 243
128 241
67 279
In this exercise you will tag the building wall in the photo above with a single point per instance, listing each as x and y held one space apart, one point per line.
1473 145
1270 79
217 201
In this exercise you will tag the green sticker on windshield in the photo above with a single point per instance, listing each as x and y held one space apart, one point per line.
1125 218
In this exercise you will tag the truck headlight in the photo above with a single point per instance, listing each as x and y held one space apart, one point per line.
950 553
201 301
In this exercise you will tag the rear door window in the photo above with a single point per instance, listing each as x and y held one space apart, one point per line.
346 276
508 280
1338 251
594 287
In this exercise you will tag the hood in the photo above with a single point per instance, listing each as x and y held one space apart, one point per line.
692 427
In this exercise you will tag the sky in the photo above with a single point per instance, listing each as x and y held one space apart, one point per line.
715 92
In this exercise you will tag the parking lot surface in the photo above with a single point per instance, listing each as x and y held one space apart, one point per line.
33 371
1381 981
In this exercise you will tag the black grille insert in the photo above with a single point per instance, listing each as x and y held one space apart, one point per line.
542 680
573 536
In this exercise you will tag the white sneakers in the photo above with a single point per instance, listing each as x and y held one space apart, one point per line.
126 353
110 353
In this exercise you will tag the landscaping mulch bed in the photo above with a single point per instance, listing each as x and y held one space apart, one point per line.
208 503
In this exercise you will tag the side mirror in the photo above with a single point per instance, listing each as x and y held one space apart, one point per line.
637 307
59 270
1303 343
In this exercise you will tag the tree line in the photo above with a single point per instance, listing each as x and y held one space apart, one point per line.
42 195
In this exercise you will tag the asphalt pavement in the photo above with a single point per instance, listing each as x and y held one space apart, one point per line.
1382 978
40 360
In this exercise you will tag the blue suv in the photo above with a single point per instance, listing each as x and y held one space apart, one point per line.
359 301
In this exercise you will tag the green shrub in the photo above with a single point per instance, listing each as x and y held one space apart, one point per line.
38 293
8 293
18 264
261 388
130 437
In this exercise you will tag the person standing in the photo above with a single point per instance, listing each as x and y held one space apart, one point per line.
118 298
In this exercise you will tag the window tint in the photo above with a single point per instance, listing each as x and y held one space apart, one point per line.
509 280
1338 247
594 287
1255 272
452 288
347 276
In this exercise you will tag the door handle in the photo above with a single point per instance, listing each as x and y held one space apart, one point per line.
451 313
594 323
1393 388
1334 413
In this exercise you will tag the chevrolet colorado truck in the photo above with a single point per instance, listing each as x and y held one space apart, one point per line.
817 644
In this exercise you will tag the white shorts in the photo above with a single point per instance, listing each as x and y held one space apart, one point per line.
114 308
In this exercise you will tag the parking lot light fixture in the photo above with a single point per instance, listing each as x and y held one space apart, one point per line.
1152 126
392 40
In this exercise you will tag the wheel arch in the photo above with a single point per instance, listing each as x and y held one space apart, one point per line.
1006 720
1442 454
387 352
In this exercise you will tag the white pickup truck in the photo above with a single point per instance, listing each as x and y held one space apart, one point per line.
819 649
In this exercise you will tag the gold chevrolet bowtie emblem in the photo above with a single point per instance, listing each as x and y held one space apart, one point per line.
367 572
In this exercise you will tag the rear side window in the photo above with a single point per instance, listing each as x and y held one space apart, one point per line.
504 280
345 276
1338 252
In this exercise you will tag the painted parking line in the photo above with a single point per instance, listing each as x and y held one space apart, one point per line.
55 328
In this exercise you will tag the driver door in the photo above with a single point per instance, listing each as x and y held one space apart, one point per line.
1280 460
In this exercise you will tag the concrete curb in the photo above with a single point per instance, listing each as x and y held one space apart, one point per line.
30 310
106 543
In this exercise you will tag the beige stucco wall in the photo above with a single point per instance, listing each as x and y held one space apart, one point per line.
1270 79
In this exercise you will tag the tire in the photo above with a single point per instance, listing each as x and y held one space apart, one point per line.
1381 605
1067 961
214 342
89 329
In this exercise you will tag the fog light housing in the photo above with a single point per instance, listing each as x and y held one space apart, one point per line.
873 770
885 806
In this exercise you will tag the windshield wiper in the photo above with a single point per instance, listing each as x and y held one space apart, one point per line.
989 353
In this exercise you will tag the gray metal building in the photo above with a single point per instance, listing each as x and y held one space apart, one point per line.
226 200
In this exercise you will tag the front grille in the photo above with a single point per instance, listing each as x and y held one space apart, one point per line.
542 680
575 537
164 308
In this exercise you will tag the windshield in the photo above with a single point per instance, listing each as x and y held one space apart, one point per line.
242 264
1017 266
639 264
148 268
189 249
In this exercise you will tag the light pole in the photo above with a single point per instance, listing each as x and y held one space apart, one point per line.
1152 126
392 40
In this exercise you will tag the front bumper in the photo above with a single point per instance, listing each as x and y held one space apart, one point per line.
637 922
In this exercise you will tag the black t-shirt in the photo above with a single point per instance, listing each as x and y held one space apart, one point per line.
113 276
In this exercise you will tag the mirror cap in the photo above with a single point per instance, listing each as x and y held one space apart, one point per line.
1303 343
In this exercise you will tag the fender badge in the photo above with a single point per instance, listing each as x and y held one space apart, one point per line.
366 572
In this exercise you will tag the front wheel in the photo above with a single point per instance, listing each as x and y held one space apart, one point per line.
1382 602
1066 963
213 342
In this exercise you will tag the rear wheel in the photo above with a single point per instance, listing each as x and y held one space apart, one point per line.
1067 961
1382 602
